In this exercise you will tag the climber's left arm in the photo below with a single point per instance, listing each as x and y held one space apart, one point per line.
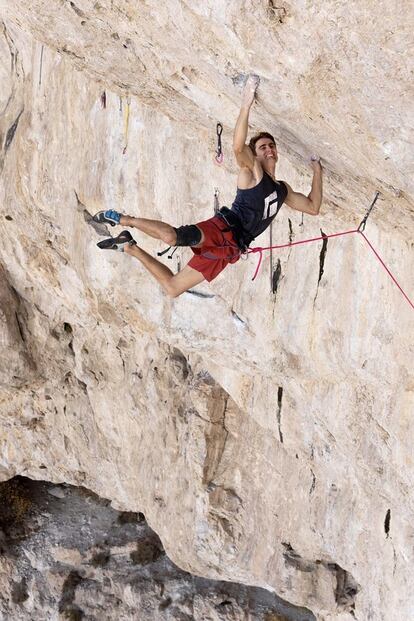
310 204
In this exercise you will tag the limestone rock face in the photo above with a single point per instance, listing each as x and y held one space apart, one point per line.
16 367
264 429
66 554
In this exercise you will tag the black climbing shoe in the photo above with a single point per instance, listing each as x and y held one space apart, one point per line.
117 243
110 216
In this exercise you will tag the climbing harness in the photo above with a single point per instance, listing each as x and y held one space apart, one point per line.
219 151
241 237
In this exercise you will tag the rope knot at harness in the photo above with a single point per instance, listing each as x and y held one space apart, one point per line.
260 250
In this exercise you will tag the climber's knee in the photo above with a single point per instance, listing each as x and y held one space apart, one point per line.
169 236
188 235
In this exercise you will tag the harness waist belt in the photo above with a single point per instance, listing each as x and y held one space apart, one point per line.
242 238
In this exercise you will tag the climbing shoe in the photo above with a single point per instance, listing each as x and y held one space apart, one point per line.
110 216
117 243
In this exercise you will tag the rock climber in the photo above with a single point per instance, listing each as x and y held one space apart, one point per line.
220 240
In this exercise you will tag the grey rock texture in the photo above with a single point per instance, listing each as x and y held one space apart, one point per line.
265 431
16 365
67 554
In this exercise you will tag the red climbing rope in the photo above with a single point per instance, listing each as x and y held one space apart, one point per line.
261 249
386 269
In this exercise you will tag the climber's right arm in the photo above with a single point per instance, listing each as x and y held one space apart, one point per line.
242 151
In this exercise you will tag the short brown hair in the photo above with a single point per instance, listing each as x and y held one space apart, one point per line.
256 137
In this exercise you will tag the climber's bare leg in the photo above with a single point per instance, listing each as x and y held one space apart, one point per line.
173 284
154 228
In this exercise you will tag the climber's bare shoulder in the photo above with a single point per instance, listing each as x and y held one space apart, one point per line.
249 177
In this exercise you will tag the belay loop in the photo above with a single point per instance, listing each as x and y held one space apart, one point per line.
219 151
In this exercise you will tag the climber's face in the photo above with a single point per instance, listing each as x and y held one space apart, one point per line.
266 151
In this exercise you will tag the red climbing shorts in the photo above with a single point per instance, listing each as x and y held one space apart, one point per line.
218 249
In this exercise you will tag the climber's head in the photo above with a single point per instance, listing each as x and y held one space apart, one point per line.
264 148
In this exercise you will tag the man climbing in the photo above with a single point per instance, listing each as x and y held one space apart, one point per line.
221 239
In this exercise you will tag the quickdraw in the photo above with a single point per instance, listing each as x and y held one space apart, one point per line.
370 208
126 122
219 151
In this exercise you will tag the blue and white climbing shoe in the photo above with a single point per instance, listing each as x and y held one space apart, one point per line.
110 216
117 243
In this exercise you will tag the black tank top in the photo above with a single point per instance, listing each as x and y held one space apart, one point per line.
257 207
